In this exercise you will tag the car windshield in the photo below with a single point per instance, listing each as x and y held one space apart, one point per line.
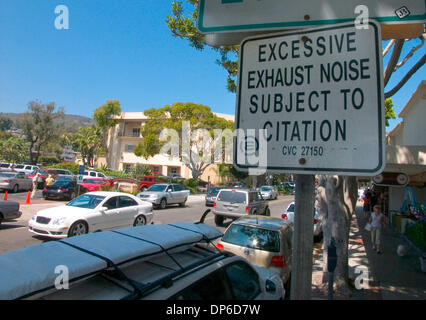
93 181
19 166
232 196
157 188
5 165
42 172
290 208
63 178
61 183
7 175
86 201
253 237
265 189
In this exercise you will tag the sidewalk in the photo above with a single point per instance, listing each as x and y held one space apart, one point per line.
391 277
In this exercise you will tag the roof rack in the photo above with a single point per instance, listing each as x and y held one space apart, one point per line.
103 254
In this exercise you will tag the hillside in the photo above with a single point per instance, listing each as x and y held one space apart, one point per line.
71 122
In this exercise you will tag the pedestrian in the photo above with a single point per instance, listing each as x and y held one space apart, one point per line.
377 221
367 202
373 199
35 183
49 180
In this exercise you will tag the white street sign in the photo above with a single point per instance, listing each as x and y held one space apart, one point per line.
251 15
80 179
318 93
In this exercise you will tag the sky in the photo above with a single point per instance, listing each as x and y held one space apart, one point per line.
116 50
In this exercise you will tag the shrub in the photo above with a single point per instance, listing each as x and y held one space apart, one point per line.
49 160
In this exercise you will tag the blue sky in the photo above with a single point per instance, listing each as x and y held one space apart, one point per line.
114 50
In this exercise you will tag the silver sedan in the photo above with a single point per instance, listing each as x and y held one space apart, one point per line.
9 210
268 192
15 181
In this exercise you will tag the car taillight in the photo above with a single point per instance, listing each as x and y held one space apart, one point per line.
315 221
284 216
247 209
214 205
219 246
278 261
7 181
44 189
62 190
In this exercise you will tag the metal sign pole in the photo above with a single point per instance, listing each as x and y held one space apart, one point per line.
301 279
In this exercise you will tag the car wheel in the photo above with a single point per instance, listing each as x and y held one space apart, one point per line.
218 220
163 204
139 221
182 204
78 228
268 212
15 188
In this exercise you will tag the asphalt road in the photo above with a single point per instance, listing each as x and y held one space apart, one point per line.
14 235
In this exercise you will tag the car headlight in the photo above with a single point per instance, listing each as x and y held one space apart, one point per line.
58 221
153 196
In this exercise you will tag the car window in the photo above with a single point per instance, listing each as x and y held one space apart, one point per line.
215 286
244 281
232 196
253 237
19 166
177 187
111 203
28 168
127 202
86 201
20 176
290 208
101 175
169 188
93 174
157 188
6 175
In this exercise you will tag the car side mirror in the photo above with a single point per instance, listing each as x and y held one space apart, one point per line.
103 209
270 286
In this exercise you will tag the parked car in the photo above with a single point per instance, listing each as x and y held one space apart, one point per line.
263 241
141 269
211 196
92 184
163 194
63 189
41 180
27 169
288 215
6 166
9 210
238 184
148 181
93 174
236 203
15 181
268 192
91 212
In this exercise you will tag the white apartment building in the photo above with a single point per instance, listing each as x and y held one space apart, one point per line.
125 136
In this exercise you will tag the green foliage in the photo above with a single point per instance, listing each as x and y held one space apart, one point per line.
49 160
140 170
39 127
389 111
88 142
104 115
73 167
13 149
5 124
182 23
238 174
172 117
192 185
417 234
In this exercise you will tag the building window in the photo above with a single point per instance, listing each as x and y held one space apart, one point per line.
155 169
130 148
173 170
136 132
127 168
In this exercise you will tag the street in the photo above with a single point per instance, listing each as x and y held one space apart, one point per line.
14 235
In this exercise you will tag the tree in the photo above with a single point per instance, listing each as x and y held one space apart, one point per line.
140 170
104 117
40 127
87 141
13 149
5 124
173 117
389 111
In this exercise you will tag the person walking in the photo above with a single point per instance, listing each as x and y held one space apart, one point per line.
377 221
35 183
367 203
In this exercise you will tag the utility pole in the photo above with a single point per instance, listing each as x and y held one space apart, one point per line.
301 273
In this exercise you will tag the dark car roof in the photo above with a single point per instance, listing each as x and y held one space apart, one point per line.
263 222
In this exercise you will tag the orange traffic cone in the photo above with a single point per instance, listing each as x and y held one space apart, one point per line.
28 197
5 195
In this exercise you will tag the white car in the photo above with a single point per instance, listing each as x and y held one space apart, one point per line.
91 212
289 216
93 174
268 192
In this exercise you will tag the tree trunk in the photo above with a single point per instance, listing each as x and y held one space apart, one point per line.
336 201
